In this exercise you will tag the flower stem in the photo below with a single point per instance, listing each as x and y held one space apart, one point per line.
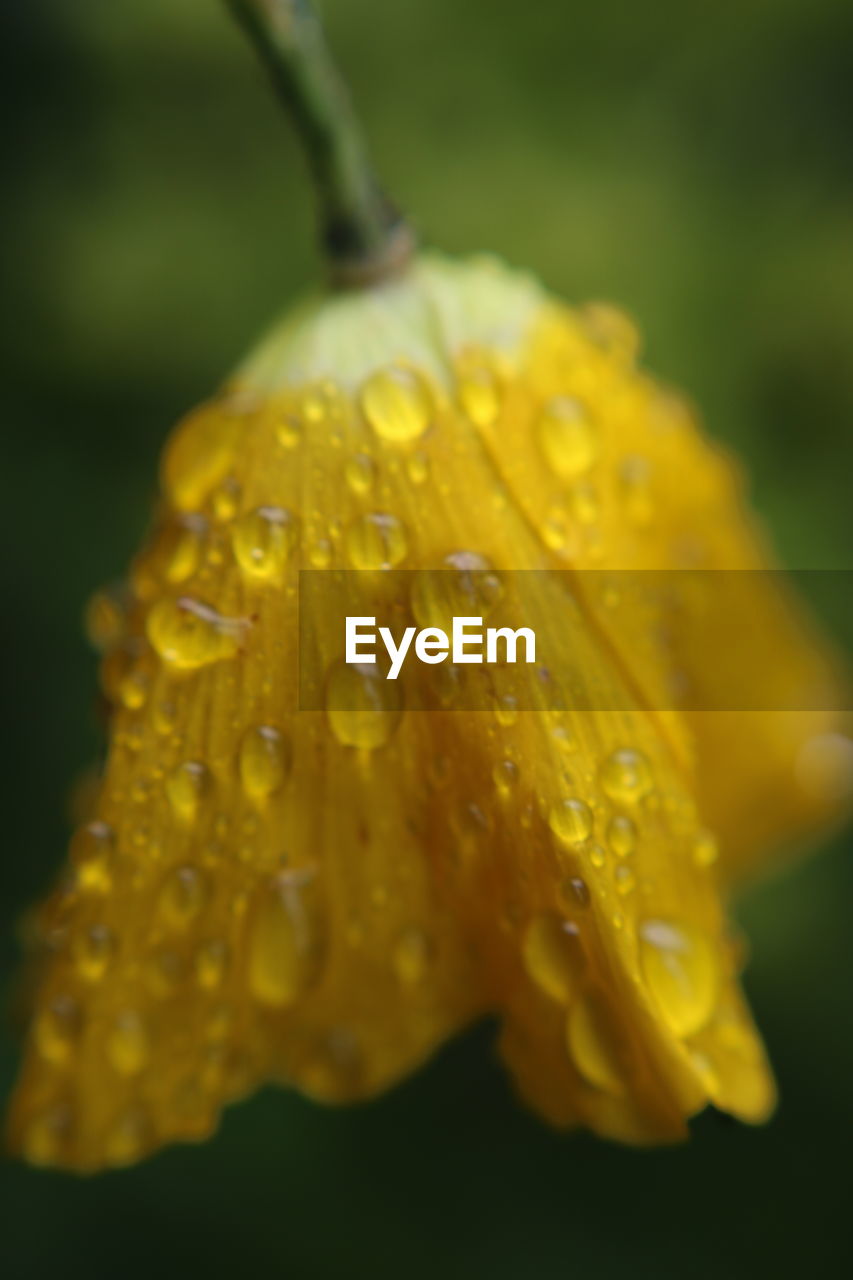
364 237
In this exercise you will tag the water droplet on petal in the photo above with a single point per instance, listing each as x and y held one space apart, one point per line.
621 835
396 404
92 852
506 709
479 396
636 491
197 457
165 716
226 500
263 541
128 1138
320 553
171 557
288 431
57 1029
187 633
133 689
557 535
563 739
360 472
265 761
571 820
505 776
553 956
625 776
211 963
376 541
285 942
92 951
185 891
597 1043
417 467
567 437
679 965
127 1043
624 880
186 788
596 855
466 585
363 707
576 893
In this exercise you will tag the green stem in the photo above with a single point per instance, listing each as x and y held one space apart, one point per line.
363 235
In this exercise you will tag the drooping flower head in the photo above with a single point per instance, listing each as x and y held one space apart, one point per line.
322 896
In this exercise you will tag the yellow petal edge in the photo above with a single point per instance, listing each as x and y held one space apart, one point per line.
322 897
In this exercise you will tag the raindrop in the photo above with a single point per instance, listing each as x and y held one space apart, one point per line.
679 966
285 942
567 437
553 956
571 820
363 707
265 761
396 404
188 634
625 776
376 541
263 541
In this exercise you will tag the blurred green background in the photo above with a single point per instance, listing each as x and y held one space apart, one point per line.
692 161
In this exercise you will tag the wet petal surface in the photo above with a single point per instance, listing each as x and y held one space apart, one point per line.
322 897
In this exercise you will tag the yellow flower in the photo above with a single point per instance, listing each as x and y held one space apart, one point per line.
321 897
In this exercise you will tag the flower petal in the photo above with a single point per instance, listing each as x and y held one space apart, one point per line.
647 494
323 896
